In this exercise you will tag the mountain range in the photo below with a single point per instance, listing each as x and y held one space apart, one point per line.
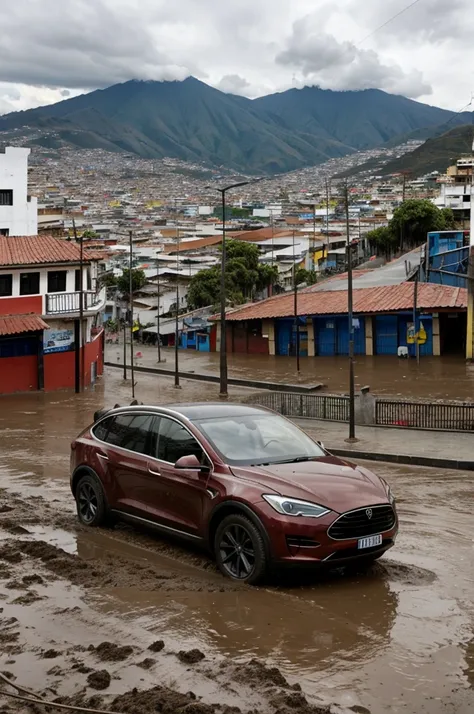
192 121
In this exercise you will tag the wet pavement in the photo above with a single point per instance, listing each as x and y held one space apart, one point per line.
398 639
434 378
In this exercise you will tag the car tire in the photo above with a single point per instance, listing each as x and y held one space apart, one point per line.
250 563
90 502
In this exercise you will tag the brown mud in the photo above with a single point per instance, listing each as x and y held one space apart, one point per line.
397 639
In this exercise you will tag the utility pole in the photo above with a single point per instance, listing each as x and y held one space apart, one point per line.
328 187
131 312
311 267
415 326
402 236
470 272
176 327
351 321
78 327
295 310
158 310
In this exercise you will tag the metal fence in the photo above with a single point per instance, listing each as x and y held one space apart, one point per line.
442 416
312 406
425 415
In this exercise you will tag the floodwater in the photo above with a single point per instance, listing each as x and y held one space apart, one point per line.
399 639
433 378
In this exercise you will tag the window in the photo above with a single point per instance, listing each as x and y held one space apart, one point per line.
6 285
57 281
130 432
77 280
6 197
29 283
4 231
258 439
100 431
174 441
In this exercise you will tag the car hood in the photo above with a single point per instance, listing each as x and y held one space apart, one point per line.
329 481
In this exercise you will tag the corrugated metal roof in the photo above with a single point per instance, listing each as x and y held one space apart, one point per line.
387 298
18 324
35 250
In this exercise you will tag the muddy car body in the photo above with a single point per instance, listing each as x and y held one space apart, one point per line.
242 481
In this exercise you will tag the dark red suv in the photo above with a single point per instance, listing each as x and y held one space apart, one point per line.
244 481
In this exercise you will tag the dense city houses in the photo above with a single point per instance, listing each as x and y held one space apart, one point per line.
74 220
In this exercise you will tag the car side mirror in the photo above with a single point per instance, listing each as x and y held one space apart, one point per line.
320 443
191 463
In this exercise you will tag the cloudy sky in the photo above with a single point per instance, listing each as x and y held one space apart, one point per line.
53 49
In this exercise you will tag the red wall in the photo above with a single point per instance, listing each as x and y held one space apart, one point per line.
59 367
21 305
18 374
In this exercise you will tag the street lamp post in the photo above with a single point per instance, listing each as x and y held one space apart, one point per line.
295 310
351 322
132 366
176 327
223 346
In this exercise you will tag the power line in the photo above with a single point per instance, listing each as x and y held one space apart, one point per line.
387 22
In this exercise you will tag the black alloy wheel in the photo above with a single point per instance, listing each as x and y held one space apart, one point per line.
90 500
236 551
240 550
87 503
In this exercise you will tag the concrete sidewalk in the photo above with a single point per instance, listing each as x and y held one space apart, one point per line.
404 446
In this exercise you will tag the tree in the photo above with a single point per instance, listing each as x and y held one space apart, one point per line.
415 218
244 276
138 281
89 234
383 241
108 280
409 226
305 276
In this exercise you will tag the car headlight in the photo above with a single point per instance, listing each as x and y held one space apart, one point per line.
294 507
390 496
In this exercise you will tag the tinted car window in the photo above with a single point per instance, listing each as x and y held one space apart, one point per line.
100 431
174 441
130 432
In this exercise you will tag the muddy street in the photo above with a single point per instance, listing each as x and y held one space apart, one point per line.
87 616
434 378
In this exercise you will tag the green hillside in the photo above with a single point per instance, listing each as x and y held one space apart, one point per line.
192 121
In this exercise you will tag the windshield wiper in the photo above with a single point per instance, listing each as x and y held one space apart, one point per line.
296 460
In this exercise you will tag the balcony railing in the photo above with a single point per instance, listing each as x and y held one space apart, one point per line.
64 303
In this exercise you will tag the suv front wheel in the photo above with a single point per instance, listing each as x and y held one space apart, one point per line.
240 549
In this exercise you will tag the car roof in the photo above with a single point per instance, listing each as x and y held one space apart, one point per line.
213 410
192 411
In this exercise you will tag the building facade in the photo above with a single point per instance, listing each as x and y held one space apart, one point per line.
44 343
383 320
18 210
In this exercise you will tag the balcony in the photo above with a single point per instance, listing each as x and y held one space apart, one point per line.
70 303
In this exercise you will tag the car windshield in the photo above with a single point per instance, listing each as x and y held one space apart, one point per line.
258 438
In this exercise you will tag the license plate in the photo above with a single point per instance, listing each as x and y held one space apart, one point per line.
369 542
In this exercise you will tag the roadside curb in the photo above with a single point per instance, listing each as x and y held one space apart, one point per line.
234 381
408 459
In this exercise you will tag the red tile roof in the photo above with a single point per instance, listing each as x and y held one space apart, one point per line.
35 250
389 298
17 324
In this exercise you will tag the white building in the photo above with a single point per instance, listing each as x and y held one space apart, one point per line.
18 211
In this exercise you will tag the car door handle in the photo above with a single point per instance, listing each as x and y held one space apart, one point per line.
103 456
153 472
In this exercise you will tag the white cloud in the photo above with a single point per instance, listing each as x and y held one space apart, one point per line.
334 64
251 47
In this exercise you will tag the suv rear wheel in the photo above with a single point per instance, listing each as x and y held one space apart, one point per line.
90 501
240 549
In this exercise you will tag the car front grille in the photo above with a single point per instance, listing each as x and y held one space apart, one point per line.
363 522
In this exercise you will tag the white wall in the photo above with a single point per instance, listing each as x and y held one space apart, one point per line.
70 280
21 219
